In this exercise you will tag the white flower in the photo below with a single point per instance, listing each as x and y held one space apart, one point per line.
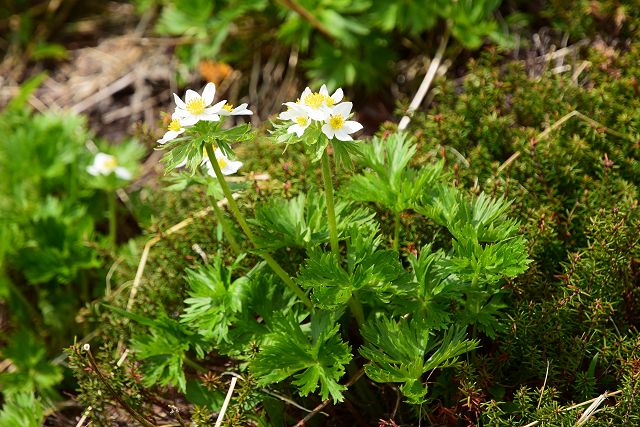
337 124
240 110
227 167
298 115
332 100
314 104
195 107
106 164
173 130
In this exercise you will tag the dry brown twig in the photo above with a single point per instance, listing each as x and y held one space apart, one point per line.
545 133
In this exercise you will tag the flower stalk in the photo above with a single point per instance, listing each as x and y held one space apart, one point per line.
113 218
233 206
226 228
331 212
396 231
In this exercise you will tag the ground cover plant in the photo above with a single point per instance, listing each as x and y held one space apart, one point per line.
478 267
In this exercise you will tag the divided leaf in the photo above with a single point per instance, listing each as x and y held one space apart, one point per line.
402 351
214 301
311 353
389 182
368 270
301 221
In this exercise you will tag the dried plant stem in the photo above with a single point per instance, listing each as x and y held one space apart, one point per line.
426 83
321 406
331 212
227 399
233 206
142 420
545 133
596 400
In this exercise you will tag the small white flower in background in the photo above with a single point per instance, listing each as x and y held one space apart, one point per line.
227 167
298 115
195 107
106 164
337 125
240 110
173 130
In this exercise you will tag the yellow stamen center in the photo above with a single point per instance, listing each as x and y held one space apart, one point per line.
314 100
228 107
329 101
196 106
336 122
302 121
222 162
110 163
175 125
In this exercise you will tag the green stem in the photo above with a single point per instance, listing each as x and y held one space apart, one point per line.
233 206
331 212
287 279
396 231
113 218
356 309
226 228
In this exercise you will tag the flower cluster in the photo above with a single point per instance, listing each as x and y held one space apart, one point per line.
328 111
196 108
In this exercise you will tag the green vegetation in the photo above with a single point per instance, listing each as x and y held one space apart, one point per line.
479 268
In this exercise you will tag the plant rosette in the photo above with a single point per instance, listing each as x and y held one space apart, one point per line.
196 123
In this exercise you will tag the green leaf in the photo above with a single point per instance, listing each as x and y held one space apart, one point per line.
214 302
402 351
374 273
301 221
31 369
311 354
388 181
22 410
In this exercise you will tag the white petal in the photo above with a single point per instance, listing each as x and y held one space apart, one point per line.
342 135
179 102
208 117
182 163
328 130
343 109
305 92
299 130
337 95
319 115
101 158
215 108
231 167
190 96
323 91
170 135
93 170
288 115
208 93
241 110
179 114
189 120
351 126
123 173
